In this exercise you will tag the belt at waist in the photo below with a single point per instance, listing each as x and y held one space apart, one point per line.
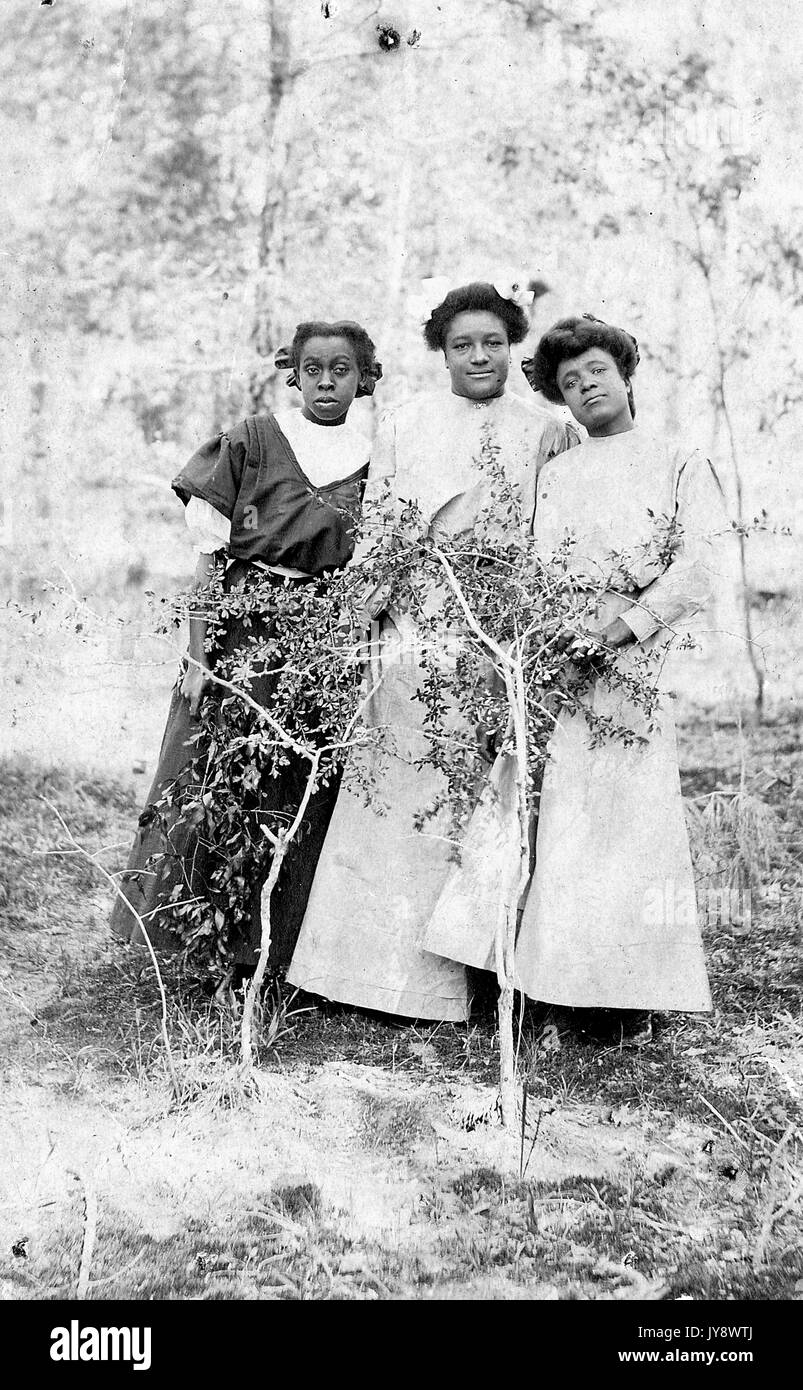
279 574
283 571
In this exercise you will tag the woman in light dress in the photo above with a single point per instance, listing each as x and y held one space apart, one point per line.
379 877
610 921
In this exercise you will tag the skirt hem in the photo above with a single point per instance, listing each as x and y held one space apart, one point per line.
344 991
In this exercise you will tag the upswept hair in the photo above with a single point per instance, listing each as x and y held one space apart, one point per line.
571 337
364 350
478 297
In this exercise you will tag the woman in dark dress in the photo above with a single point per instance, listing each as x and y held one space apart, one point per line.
277 499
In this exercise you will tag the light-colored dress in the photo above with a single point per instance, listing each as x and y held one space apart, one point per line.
610 920
379 877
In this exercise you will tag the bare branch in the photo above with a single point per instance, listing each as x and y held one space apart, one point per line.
146 938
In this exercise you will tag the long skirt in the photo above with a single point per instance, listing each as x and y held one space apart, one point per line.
478 894
379 876
169 853
611 917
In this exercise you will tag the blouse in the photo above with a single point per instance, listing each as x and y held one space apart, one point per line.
290 467
619 497
430 450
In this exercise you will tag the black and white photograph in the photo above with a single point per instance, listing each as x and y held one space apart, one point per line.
401 694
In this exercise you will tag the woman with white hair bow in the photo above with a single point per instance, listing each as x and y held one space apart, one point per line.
380 874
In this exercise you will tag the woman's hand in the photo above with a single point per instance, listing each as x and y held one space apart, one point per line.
586 650
193 687
581 648
617 634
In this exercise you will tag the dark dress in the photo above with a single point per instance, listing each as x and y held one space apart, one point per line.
278 517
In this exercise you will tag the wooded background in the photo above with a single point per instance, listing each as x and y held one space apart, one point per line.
183 182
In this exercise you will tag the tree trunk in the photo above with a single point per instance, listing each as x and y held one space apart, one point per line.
746 588
272 234
281 844
505 946
723 415
403 104
255 984
508 912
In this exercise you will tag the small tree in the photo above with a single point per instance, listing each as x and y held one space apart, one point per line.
507 648
504 649
747 263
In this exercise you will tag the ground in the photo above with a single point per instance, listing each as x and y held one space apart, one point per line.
368 1161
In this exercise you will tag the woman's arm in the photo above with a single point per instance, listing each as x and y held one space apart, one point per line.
377 501
215 472
210 531
687 582
195 678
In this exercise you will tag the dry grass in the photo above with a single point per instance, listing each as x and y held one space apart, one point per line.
349 1171
737 839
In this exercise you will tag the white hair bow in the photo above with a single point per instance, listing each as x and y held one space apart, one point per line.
513 287
435 288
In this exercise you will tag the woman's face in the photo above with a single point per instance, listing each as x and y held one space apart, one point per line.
595 392
328 375
477 354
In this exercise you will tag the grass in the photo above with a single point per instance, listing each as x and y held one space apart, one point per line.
284 1247
366 1165
392 1125
581 1238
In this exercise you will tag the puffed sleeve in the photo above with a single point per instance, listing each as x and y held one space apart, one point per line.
567 437
687 583
378 496
209 529
378 504
215 472
559 436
